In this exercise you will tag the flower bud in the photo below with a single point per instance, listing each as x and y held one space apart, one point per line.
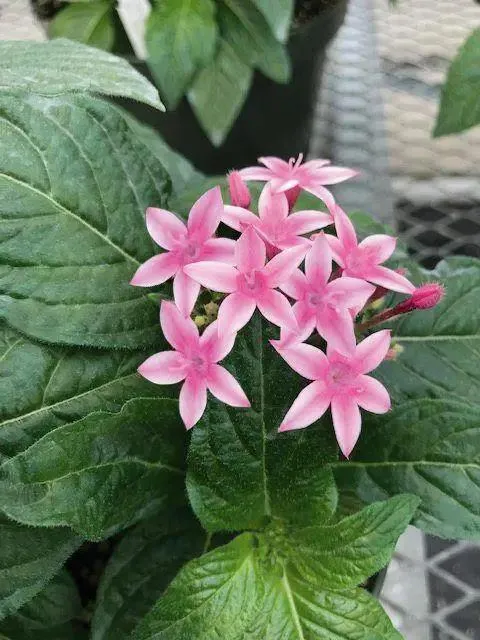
239 192
427 296
292 196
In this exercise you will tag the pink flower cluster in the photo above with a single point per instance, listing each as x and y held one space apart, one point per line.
261 270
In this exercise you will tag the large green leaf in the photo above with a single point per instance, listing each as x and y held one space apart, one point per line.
62 66
296 609
241 470
214 596
181 37
140 569
100 474
248 25
261 587
42 387
429 448
219 91
87 22
441 346
49 616
345 553
28 560
460 101
278 14
75 182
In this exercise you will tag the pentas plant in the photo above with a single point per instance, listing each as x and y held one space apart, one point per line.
322 335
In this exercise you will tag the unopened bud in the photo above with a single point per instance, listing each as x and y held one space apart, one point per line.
239 192
200 321
292 196
427 296
394 352
211 309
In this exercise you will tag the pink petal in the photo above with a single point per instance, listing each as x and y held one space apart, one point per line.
306 324
372 395
155 270
205 215
213 275
250 252
166 367
347 422
275 307
345 230
336 247
379 247
165 228
305 359
338 330
272 208
284 264
224 387
215 344
323 194
372 351
238 218
179 331
276 165
234 313
388 278
296 285
219 249
334 175
312 166
256 173
185 292
353 291
192 400
310 405
302 222
318 263
281 185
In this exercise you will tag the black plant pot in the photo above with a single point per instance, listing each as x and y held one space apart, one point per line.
275 119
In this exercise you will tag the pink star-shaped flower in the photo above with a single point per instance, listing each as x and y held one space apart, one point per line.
251 283
310 176
278 229
328 306
339 382
184 245
363 260
195 361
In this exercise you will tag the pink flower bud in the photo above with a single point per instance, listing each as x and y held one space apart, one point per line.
427 296
292 196
239 193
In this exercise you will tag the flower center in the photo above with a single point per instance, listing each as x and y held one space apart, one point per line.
198 364
252 282
341 375
192 251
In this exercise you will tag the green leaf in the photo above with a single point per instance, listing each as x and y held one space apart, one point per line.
429 448
460 102
42 388
140 569
249 25
75 183
62 66
100 474
214 596
87 22
240 469
181 37
49 616
345 553
295 609
219 91
278 14
28 560
182 173
441 346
